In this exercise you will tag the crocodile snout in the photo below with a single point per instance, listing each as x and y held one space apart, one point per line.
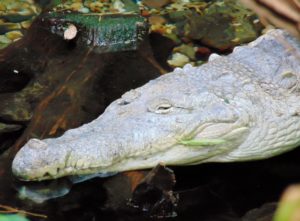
36 160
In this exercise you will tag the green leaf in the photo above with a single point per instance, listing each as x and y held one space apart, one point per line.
13 217
286 210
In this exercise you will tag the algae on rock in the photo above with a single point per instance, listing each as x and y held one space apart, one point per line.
223 25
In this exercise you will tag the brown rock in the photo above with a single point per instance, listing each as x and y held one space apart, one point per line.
156 3
157 20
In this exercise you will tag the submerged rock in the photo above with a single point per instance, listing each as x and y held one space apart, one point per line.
264 213
154 195
219 25
156 3
178 60
223 25
15 18
4 128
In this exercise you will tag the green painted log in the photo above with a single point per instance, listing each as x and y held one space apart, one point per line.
105 33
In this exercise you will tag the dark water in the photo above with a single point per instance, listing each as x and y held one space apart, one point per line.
206 192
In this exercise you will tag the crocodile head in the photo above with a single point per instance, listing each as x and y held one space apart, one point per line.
146 126
243 107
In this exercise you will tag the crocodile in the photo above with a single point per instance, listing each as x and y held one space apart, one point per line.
240 107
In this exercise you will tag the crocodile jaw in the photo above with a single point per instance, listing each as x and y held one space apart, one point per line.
32 161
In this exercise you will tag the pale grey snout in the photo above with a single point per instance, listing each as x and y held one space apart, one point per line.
36 159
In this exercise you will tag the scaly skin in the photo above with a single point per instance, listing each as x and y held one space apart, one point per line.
244 106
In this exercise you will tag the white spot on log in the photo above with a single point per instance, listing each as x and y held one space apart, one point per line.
71 32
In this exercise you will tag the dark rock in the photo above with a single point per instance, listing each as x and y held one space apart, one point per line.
156 3
264 213
4 128
222 25
154 195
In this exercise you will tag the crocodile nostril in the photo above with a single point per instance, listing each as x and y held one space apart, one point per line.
123 103
47 174
37 144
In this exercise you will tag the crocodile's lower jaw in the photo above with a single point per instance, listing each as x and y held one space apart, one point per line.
176 154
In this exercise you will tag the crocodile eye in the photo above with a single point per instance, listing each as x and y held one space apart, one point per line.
163 108
160 107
